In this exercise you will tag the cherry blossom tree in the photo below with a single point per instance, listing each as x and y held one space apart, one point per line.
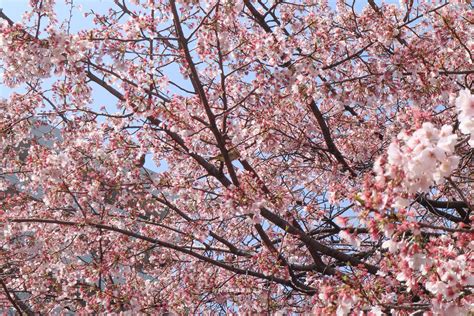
303 157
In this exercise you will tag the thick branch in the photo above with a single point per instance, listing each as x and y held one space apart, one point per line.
327 137
198 87
312 244
432 206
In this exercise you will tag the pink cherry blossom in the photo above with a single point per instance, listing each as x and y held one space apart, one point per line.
237 157
465 107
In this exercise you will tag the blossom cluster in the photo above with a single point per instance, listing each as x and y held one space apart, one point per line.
189 156
465 108
24 57
443 270
420 159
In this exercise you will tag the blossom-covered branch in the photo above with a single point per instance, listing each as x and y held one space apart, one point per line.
237 157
